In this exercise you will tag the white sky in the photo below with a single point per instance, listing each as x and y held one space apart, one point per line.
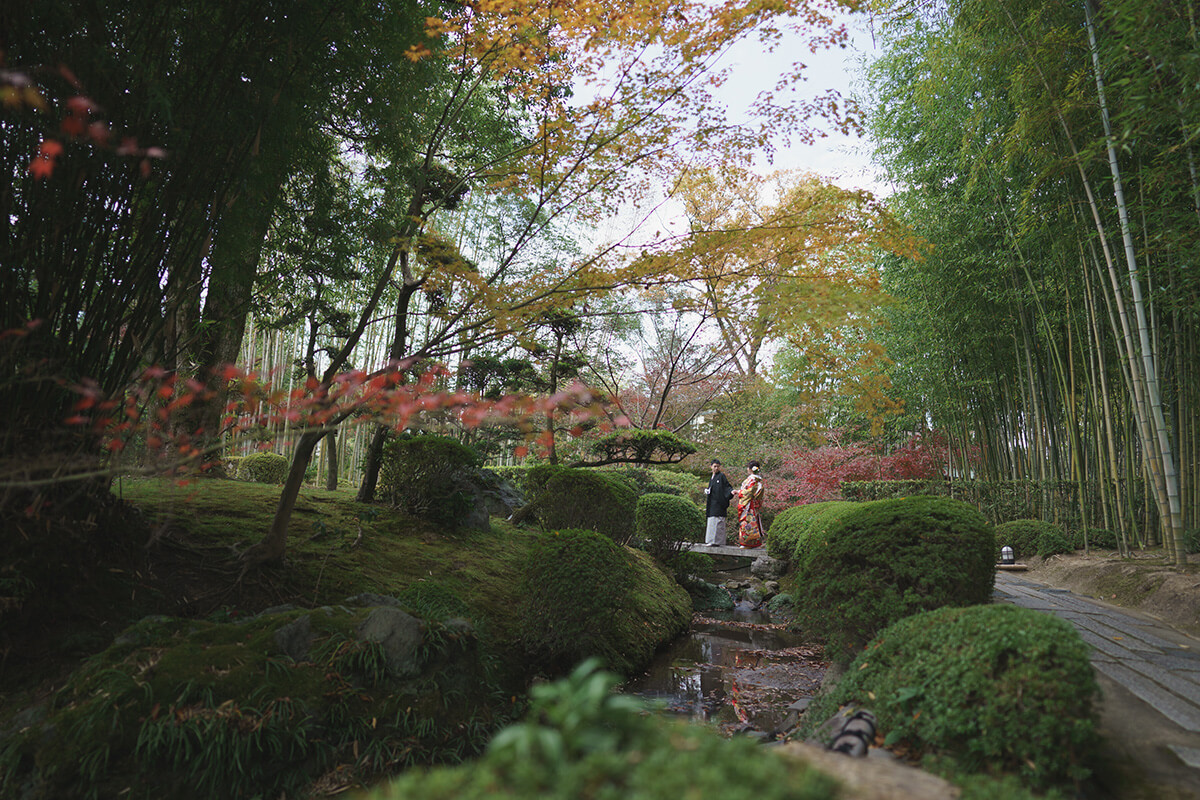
842 159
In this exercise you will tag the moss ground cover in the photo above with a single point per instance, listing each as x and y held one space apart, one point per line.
337 549
194 709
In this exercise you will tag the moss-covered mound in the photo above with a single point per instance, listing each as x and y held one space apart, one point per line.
994 688
586 595
1032 537
859 567
260 708
581 498
582 741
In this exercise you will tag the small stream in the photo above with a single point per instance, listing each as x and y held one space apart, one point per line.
735 669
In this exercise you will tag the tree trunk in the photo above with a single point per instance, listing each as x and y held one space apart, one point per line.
272 546
331 456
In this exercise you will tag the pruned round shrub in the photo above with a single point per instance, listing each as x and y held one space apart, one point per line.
582 740
537 477
585 595
582 498
431 477
794 527
867 565
993 688
1024 535
263 468
665 520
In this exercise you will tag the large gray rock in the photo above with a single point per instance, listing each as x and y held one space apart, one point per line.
873 779
768 568
295 638
400 634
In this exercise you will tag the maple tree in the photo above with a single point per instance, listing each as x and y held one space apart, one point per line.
814 474
498 112
649 71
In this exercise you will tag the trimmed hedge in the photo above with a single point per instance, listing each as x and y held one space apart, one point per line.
429 477
989 688
263 468
859 567
581 498
585 595
665 520
1025 536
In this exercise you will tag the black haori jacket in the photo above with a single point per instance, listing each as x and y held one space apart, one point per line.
719 495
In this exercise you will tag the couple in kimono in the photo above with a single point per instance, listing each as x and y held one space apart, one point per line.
750 497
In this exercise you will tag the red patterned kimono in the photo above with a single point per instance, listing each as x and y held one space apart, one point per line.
750 497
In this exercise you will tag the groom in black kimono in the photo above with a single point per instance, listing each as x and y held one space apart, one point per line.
719 493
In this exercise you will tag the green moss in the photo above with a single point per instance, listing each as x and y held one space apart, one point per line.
860 567
586 595
989 688
196 709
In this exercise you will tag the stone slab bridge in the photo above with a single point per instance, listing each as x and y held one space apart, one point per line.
763 565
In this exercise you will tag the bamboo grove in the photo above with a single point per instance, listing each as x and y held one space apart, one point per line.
1046 150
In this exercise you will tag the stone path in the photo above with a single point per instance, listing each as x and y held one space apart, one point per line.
1139 655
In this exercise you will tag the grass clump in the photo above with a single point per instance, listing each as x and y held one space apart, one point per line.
991 689
580 740
859 567
585 595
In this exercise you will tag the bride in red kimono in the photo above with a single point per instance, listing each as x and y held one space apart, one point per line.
750 498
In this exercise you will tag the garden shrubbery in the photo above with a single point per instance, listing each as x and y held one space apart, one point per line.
988 688
431 477
263 468
1029 537
583 498
665 520
859 567
585 595
581 740
1102 538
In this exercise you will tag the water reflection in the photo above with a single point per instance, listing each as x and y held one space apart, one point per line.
732 671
